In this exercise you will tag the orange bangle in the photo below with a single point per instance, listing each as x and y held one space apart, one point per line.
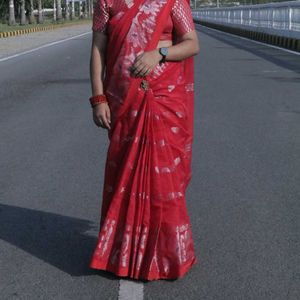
94 100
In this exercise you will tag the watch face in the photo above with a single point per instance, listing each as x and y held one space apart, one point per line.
164 51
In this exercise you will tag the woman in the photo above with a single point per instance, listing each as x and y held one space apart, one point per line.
143 91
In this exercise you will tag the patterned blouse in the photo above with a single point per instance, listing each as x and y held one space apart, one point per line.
180 19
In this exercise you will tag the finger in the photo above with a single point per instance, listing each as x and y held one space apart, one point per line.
145 73
108 115
149 71
136 65
141 71
108 118
105 122
138 57
103 119
142 74
96 120
97 116
100 122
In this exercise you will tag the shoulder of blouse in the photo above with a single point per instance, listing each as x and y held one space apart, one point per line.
100 16
182 18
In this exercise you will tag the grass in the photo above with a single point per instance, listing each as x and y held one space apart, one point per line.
47 22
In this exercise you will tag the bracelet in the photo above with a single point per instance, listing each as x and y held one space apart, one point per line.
94 100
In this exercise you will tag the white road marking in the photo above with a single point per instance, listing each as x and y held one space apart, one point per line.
130 290
43 46
254 41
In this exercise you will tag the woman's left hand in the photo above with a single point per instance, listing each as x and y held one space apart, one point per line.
145 63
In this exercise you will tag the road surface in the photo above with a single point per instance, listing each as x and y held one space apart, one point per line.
243 198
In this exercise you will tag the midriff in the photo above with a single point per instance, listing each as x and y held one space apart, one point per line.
166 36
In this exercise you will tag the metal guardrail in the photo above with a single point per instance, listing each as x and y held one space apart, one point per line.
281 18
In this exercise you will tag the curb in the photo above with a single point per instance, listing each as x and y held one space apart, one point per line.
280 41
38 28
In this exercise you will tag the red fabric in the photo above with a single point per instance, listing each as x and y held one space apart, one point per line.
167 32
145 231
180 19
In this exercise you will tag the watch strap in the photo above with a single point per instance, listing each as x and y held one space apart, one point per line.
163 57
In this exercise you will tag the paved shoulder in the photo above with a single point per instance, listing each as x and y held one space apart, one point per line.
17 44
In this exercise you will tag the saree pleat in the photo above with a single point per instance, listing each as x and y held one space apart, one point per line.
145 231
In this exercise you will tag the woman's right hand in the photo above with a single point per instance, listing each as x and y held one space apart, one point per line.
101 115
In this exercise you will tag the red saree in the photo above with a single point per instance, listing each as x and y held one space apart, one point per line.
145 231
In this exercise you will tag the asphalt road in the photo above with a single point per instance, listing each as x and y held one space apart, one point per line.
243 198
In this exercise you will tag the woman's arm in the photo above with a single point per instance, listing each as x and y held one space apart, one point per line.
97 62
101 112
188 45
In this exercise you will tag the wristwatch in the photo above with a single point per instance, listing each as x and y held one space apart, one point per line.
164 52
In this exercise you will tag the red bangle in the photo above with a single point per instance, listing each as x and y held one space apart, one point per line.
94 100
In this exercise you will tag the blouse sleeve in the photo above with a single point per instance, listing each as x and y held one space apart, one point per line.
100 16
182 17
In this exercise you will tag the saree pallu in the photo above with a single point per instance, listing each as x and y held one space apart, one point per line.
145 230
